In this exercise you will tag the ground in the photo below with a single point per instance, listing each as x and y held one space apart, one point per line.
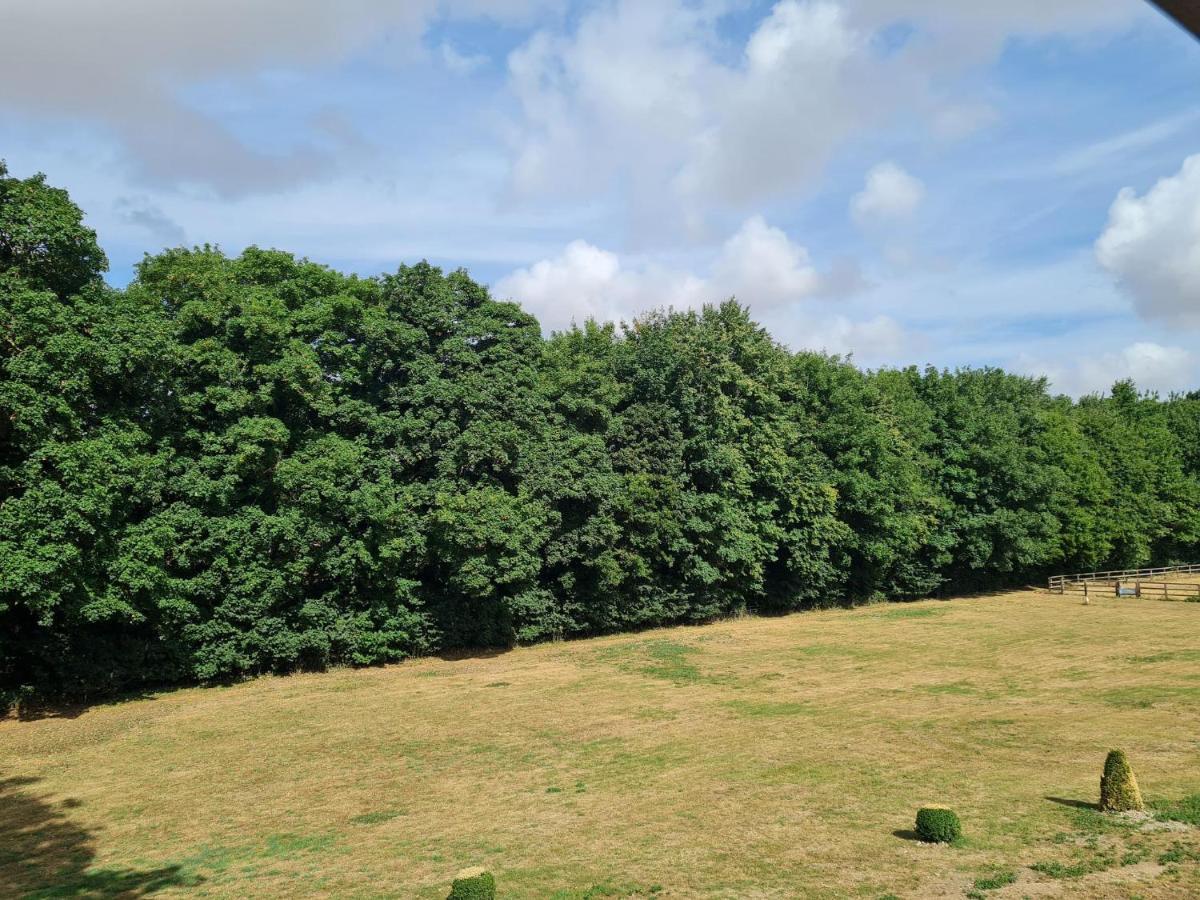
755 758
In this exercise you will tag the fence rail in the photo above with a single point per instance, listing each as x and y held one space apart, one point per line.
1124 574
1131 583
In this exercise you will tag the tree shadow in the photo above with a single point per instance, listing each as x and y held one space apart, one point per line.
457 654
43 854
35 710
1074 804
907 834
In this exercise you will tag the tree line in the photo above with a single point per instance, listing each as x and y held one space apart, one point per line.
253 464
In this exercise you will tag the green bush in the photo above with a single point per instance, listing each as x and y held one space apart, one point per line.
938 825
1118 787
475 885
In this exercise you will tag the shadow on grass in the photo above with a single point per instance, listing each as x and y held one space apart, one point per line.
1074 804
907 834
43 854
34 710
458 654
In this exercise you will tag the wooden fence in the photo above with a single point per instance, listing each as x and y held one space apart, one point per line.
1154 584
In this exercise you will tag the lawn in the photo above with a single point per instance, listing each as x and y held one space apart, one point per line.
752 758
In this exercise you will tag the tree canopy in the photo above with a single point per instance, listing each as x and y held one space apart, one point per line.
255 463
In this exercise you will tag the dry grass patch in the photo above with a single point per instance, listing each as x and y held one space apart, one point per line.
743 759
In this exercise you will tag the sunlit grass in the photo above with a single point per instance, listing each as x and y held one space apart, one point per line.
752 758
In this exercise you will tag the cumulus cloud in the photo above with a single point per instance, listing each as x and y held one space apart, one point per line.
647 90
641 91
759 265
890 195
586 282
124 65
627 89
762 265
804 85
651 96
1152 367
1152 246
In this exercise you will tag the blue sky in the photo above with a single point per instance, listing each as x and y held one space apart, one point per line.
924 181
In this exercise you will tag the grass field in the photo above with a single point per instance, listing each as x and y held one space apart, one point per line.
753 758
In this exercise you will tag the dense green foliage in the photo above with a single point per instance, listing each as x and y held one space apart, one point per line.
937 825
1118 786
481 886
251 464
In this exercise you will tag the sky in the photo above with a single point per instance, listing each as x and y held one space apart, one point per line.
904 181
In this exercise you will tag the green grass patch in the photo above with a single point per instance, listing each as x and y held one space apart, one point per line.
1060 870
826 650
1186 810
766 710
995 881
958 688
1178 853
914 612
662 659
374 818
1148 696
215 860
1168 656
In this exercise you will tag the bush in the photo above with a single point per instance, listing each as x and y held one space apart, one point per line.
1118 788
473 885
938 825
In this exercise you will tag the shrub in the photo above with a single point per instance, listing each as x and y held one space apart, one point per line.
473 884
938 825
1118 788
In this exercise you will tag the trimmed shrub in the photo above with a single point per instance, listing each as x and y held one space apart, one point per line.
1118 788
938 825
473 884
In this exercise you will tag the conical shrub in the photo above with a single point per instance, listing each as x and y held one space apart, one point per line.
1118 788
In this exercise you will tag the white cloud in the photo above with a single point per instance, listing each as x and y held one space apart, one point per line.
643 92
954 34
805 84
890 195
1152 246
759 265
587 282
123 65
1152 366
763 266
461 63
625 92
954 121
879 337
650 96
